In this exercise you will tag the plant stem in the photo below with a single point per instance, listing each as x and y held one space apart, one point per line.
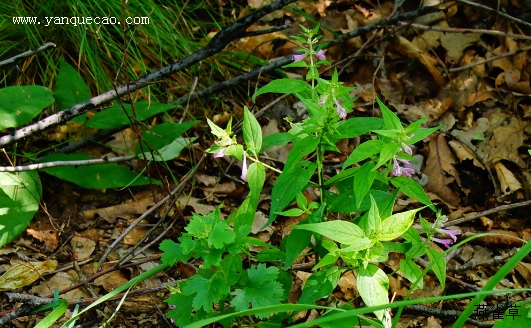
264 164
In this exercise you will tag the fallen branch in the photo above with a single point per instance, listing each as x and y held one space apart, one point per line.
28 53
46 165
487 212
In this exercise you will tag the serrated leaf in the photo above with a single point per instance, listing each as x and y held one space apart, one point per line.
364 151
373 285
100 176
288 185
285 86
412 272
412 189
252 133
20 195
363 180
221 235
182 311
439 265
395 225
20 104
172 252
260 290
341 231
207 291
320 284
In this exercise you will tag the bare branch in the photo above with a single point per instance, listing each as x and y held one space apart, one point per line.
28 53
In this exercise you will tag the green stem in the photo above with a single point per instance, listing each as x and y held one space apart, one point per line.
264 164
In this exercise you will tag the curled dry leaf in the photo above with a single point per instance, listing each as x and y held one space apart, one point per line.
22 273
508 182
48 237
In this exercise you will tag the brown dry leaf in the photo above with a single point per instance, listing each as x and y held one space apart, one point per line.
123 142
524 269
127 210
222 188
207 180
261 45
199 208
22 273
111 280
142 304
455 43
134 236
82 247
61 280
477 130
347 284
508 182
48 237
514 81
464 153
441 171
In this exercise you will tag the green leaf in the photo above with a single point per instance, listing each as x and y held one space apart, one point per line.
285 86
291 212
341 231
182 313
288 185
19 105
168 152
356 126
391 121
373 217
100 176
116 117
252 133
296 242
412 189
261 289
163 135
373 285
172 252
231 266
412 235
363 180
256 177
300 149
388 151
221 235
20 195
70 88
207 291
358 245
411 271
363 151
395 225
302 202
320 284
276 139
439 265
421 134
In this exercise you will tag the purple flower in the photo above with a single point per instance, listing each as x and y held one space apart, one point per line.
322 100
441 219
321 54
407 149
446 242
244 169
298 57
398 170
340 110
220 153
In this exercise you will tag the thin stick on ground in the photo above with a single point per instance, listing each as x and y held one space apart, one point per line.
14 59
487 212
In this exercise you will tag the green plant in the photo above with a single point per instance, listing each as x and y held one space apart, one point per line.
363 196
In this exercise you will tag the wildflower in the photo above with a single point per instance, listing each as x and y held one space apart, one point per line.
220 153
407 149
437 226
398 170
340 110
298 57
322 100
244 169
321 55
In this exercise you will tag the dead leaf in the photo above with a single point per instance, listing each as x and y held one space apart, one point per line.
347 284
508 182
455 43
463 153
524 269
61 280
22 273
441 171
48 237
127 210
82 247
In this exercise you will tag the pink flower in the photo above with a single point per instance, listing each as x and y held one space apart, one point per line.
220 153
321 54
298 57
340 110
398 170
407 149
244 169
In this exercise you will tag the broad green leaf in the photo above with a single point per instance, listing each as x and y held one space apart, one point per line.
172 252
516 316
261 289
20 195
256 177
291 212
276 139
421 134
232 267
373 286
412 189
70 88
326 260
358 245
320 284
182 311
288 185
412 235
163 135
363 151
220 235
356 126
252 133
363 180
20 104
116 117
341 231
244 216
439 265
395 225
296 242
345 202
285 86
169 151
302 202
100 176
393 134
207 291
341 176
412 272
300 149
373 217
387 153
391 121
